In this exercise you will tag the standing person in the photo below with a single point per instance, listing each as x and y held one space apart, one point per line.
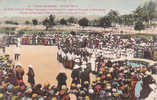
75 75
17 54
31 75
61 78
18 42
84 76
19 72
4 50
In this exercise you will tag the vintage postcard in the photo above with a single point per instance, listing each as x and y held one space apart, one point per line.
78 49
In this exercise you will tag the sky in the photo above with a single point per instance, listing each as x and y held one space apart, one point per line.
122 6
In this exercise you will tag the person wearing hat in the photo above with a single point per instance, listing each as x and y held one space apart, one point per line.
19 72
61 78
75 75
31 75
17 53
84 76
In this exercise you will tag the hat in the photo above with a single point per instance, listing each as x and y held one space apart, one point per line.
18 65
77 60
78 86
73 85
54 98
76 67
28 90
1 95
4 85
115 94
98 78
62 92
148 73
108 75
34 95
20 81
46 83
10 86
63 87
30 66
22 87
98 86
87 98
103 76
86 82
91 91
108 86
28 85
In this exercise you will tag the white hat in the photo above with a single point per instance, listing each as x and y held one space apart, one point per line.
76 67
91 91
18 64
148 73
77 60
30 66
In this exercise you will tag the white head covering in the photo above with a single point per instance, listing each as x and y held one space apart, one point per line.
18 64
30 66
76 67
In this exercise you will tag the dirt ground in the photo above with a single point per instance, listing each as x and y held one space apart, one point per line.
44 62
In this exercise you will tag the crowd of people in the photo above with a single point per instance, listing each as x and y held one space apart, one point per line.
85 55
13 87
49 40
114 81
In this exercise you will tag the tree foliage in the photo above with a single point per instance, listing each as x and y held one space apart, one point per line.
63 21
35 22
139 26
105 22
72 20
83 22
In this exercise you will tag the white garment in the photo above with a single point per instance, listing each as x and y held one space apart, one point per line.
63 55
69 56
92 61
18 42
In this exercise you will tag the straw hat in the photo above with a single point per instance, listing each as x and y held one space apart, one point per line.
34 95
73 85
1 95
46 83
54 98
98 78
63 87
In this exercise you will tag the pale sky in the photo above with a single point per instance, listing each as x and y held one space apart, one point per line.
122 6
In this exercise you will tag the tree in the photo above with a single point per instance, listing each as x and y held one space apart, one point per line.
11 22
146 12
113 15
72 20
127 19
83 22
105 22
139 26
27 22
63 21
35 22
46 23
